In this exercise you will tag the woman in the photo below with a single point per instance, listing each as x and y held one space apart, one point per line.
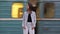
29 21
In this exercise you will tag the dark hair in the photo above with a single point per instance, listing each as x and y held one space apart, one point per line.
30 6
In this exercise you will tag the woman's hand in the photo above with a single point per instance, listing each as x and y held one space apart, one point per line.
33 28
24 27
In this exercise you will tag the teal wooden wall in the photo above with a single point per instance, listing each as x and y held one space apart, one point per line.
5 9
56 9
6 5
11 27
49 27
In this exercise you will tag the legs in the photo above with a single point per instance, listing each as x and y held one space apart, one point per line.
28 29
25 31
31 31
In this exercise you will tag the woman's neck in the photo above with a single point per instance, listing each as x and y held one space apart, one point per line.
29 12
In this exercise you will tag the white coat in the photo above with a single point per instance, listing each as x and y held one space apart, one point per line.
29 25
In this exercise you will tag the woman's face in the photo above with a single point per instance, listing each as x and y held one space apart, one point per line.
27 6
29 11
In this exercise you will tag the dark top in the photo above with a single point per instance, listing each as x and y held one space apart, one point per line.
29 18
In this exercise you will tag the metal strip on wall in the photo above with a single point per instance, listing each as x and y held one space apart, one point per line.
37 19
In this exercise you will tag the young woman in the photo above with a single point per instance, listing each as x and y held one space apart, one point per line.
29 21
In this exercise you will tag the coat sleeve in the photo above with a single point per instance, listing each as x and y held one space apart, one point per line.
23 21
34 20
